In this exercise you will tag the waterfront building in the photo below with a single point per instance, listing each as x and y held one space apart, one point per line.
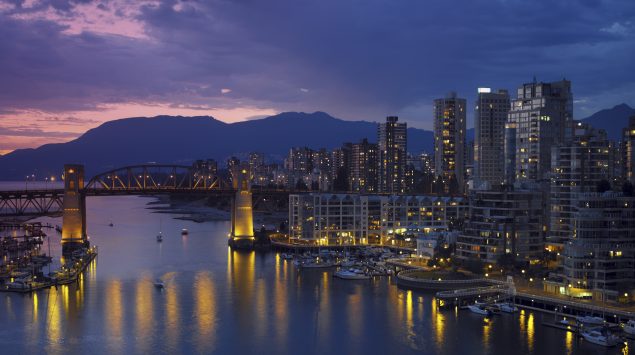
503 222
363 167
628 150
490 116
599 261
336 218
540 115
392 143
449 140
577 166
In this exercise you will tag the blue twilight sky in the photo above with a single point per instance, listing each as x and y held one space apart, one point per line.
66 66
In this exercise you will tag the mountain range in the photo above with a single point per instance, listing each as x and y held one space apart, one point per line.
181 140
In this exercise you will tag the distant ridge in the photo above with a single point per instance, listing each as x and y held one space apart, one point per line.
177 139
612 120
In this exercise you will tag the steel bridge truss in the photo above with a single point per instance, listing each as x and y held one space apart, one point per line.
31 202
153 178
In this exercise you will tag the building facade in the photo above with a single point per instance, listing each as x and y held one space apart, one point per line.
392 143
540 114
449 139
363 167
628 151
503 222
490 117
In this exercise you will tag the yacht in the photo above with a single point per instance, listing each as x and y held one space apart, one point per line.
347 263
184 231
590 320
507 307
159 237
601 337
479 309
286 256
629 327
315 264
111 224
351 275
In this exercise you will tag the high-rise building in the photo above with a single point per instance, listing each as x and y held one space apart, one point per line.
577 166
256 160
392 142
541 113
503 222
363 172
599 262
341 166
449 140
490 117
628 150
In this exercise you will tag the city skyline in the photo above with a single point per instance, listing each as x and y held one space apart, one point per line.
98 61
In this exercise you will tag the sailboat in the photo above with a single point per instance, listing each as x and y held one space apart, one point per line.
160 235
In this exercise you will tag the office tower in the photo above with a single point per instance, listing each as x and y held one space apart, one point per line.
503 222
363 172
578 165
490 116
392 143
510 153
628 150
541 114
449 140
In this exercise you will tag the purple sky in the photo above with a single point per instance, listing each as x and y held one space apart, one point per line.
66 66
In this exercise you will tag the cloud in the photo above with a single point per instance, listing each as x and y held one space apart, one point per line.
360 59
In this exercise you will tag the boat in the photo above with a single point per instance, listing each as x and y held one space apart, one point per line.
111 224
601 337
286 256
629 327
159 284
316 264
184 231
479 309
347 263
590 320
350 275
159 237
507 307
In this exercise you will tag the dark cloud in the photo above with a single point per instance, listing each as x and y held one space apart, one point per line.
359 59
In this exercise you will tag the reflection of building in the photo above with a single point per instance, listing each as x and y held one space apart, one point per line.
392 142
334 217
599 261
502 223
449 140
577 166
541 113
489 136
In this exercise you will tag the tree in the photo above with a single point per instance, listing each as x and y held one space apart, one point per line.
301 185
603 186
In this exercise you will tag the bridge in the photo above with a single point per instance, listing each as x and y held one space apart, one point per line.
150 179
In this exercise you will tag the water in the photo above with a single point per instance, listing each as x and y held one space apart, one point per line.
219 301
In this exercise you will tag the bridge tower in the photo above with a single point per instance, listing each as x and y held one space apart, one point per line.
74 209
242 232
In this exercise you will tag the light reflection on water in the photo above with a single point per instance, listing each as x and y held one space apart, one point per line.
223 301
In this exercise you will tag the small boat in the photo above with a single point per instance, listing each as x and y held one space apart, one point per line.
629 327
159 284
184 231
479 309
286 256
316 264
347 263
601 337
159 237
111 224
590 320
350 275
507 307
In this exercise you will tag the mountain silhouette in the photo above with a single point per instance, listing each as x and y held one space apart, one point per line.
612 120
181 140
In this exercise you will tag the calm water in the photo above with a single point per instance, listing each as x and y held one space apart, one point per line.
227 302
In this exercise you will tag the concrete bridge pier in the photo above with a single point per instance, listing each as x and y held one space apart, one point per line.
242 232
74 209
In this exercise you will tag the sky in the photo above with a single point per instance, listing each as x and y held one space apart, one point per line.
68 66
